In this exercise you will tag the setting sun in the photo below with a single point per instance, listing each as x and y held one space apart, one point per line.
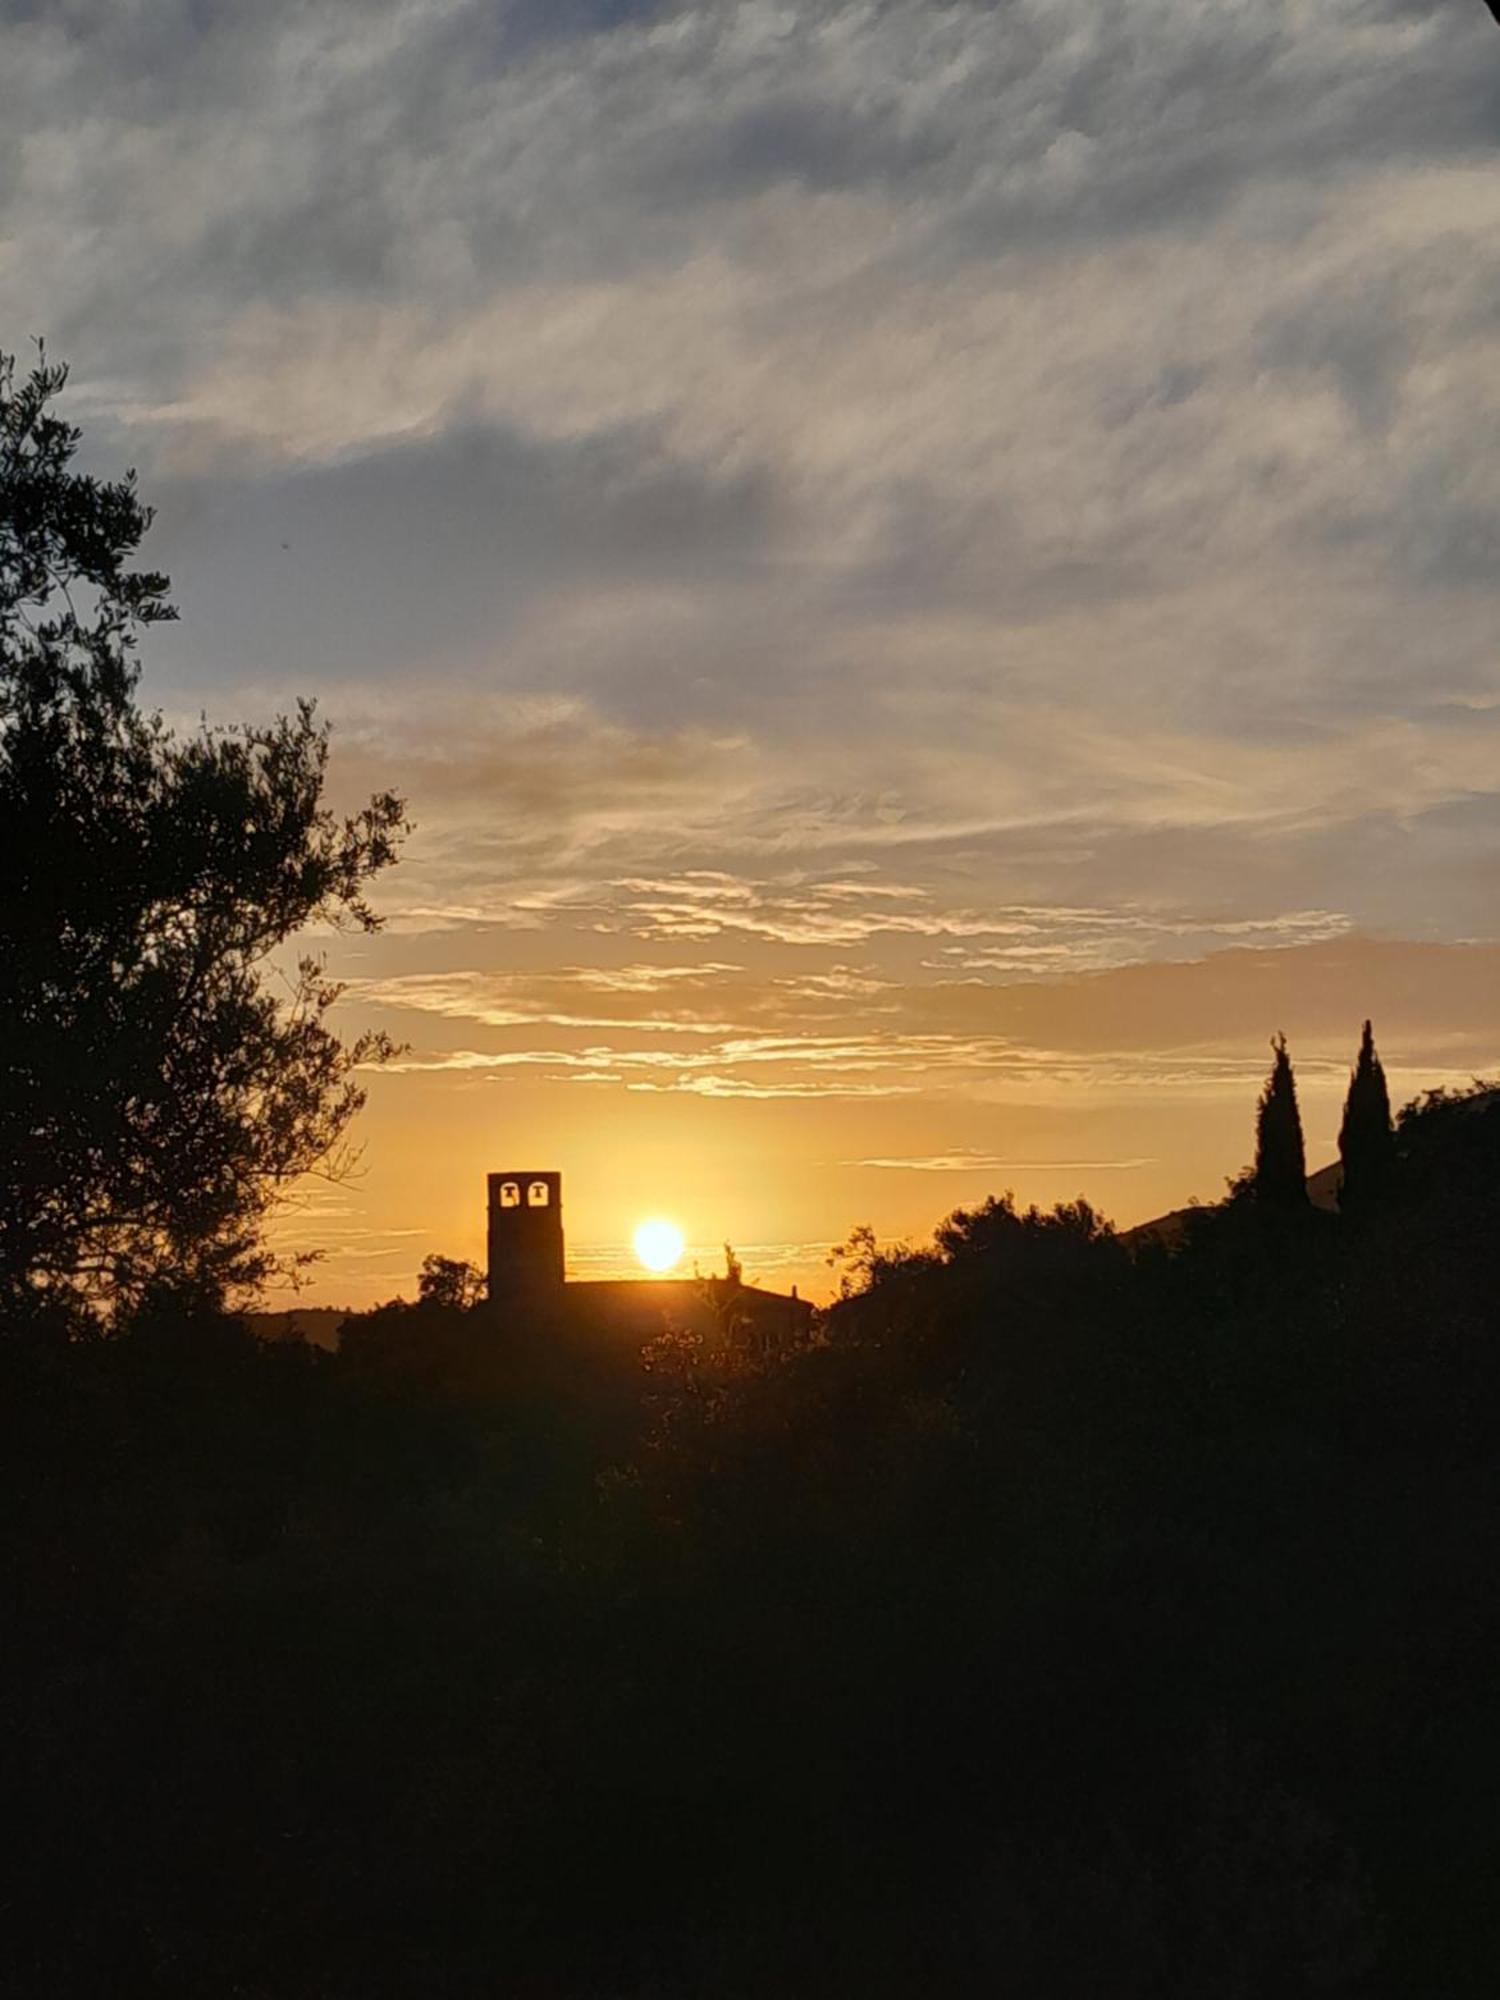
658 1244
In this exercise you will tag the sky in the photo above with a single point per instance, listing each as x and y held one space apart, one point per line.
930 574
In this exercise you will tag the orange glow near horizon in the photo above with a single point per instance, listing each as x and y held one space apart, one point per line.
1135 1089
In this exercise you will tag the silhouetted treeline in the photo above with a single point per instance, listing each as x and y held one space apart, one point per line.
1063 1617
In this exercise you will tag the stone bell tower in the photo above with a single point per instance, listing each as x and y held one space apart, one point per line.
525 1236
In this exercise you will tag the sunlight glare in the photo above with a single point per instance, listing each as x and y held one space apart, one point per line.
658 1244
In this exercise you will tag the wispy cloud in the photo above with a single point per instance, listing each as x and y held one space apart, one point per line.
1196 1026
963 1162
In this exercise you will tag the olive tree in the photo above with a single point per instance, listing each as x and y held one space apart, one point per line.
164 1079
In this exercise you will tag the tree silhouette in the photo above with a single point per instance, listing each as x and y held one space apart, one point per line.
1366 1137
156 1094
1280 1157
450 1281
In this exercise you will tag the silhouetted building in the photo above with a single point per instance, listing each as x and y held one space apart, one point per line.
525 1236
526 1267
638 1309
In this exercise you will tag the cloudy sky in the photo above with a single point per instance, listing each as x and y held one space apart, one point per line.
931 573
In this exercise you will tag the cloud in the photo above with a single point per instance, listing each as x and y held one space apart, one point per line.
711 362
425 552
500 1000
1185 1026
836 1089
963 1162
365 147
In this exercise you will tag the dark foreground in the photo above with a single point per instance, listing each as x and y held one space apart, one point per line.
1053 1623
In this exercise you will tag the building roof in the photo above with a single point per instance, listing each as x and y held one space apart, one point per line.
650 1305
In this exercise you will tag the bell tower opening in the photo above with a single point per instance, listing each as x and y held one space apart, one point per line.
525 1235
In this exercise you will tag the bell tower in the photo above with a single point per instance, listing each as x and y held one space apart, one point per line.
525 1236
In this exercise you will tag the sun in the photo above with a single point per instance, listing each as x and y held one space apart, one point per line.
658 1244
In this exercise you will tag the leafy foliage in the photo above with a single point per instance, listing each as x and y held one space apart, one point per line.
157 1092
450 1282
1060 1617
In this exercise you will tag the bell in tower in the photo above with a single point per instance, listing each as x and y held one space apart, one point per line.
525 1236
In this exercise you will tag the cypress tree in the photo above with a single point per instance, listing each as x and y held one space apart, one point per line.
1280 1158
1366 1139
